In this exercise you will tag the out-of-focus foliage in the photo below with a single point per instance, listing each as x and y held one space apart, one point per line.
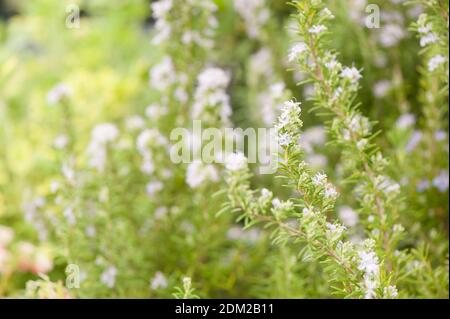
91 204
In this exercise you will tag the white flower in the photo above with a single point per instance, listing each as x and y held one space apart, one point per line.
296 50
211 94
307 212
212 79
330 192
316 29
261 63
54 187
387 185
90 231
276 202
57 93
414 140
163 74
235 162
406 121
370 285
186 282
333 64
134 122
149 137
441 181
319 179
254 13
161 8
70 216
281 206
327 13
435 62
361 144
335 230
425 28
181 95
104 133
290 114
391 34
284 139
390 292
358 124
68 171
148 167
428 38
198 173
381 88
61 141
351 74
440 135
160 212
266 194
108 277
423 185
368 262
42 262
160 12
348 216
154 187
159 281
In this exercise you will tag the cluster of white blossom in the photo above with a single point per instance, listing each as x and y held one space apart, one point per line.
405 121
211 100
426 33
58 93
102 137
392 30
235 162
369 265
255 15
382 88
357 11
171 19
159 281
163 75
288 124
108 277
351 74
198 173
435 62
355 126
147 140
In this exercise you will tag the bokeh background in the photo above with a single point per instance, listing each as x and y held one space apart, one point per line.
57 84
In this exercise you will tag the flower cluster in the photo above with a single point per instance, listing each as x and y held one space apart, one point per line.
211 100
254 13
